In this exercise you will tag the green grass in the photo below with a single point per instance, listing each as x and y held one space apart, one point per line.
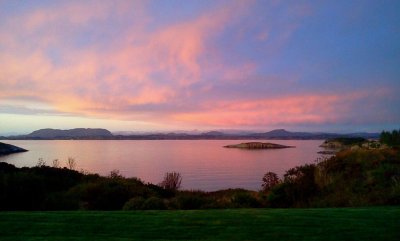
377 223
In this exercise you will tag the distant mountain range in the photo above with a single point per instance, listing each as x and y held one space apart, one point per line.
100 134
77 133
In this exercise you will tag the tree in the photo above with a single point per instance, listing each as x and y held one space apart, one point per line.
115 174
172 181
384 137
390 138
270 180
56 163
71 164
41 163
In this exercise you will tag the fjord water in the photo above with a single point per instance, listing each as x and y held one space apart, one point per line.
204 164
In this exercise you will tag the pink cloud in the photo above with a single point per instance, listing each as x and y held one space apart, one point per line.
115 78
171 64
300 109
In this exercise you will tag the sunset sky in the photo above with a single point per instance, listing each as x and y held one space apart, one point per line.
184 65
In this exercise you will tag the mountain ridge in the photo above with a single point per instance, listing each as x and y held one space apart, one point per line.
49 133
103 134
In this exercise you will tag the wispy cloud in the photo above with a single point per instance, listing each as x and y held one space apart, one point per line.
289 110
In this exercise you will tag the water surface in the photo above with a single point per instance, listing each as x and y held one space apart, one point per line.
204 164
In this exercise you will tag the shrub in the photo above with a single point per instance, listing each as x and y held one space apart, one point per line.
350 178
245 200
36 188
135 203
115 174
105 194
22 191
350 140
56 163
154 203
61 201
160 192
191 201
270 180
280 196
172 181
7 168
41 163
298 188
71 163
390 138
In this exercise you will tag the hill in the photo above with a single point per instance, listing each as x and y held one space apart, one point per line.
220 135
284 134
87 133
78 133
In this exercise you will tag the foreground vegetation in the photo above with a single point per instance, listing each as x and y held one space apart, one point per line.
378 223
351 178
50 188
390 138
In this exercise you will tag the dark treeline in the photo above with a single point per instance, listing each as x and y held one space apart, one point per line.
49 188
351 178
390 138
350 140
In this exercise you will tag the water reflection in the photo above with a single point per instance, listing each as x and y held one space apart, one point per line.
204 164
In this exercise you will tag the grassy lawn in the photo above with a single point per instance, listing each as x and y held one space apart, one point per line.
378 223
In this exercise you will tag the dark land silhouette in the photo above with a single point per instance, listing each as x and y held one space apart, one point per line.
6 149
98 134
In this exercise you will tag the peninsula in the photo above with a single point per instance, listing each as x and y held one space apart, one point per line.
6 149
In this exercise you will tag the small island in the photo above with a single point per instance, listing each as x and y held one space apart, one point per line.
6 149
258 145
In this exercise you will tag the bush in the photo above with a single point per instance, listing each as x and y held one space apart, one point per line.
154 203
22 191
350 140
161 192
172 181
390 138
350 178
280 196
135 203
191 201
61 201
105 194
395 191
36 188
298 188
245 200
270 180
7 168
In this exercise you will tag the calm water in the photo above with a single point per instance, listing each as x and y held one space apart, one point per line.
204 164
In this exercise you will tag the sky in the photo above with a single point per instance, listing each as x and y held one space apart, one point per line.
197 64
